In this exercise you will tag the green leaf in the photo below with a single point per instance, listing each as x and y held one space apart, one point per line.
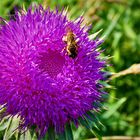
51 133
68 130
91 126
4 124
28 135
13 123
97 133
22 137
92 117
62 136
112 25
129 31
113 108
105 84
34 137
84 123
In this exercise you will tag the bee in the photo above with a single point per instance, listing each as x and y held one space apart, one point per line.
72 47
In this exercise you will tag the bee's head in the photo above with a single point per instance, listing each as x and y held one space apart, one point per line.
73 55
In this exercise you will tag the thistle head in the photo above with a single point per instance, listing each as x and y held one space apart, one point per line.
39 82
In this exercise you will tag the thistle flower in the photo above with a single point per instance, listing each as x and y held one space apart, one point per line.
39 82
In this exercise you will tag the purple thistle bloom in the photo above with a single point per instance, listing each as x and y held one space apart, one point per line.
40 82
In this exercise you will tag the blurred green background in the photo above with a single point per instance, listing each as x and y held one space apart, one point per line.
120 21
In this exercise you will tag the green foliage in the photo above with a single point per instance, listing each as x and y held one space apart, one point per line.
121 27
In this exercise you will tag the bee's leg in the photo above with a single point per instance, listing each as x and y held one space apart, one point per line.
64 39
63 50
77 40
